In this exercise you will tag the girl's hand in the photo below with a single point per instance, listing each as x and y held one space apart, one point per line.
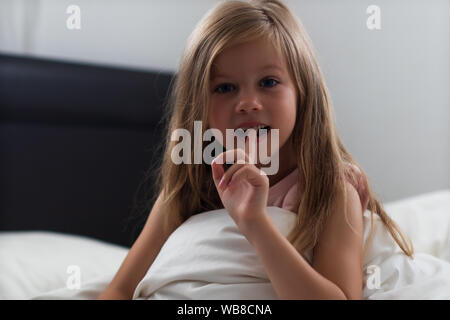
242 188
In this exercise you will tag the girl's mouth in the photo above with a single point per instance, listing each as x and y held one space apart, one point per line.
260 131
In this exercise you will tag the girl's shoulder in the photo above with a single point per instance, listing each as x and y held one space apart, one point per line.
359 182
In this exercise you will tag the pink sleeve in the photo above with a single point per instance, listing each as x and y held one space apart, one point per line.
360 184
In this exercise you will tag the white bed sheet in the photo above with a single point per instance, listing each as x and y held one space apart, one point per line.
34 265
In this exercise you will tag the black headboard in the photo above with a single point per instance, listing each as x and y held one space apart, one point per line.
76 141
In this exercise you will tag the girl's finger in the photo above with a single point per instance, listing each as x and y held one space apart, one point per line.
251 174
217 172
226 178
235 154
222 177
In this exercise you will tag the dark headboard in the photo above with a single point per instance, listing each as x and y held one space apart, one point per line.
75 144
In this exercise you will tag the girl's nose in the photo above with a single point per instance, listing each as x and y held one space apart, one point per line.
248 104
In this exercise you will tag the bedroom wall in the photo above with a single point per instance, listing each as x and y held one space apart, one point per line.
390 87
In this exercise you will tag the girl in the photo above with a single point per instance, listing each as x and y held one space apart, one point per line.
248 64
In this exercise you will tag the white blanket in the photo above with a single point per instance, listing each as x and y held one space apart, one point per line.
208 258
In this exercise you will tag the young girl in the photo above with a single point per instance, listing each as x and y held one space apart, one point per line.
248 64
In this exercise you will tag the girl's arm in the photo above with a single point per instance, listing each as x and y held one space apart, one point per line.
336 271
140 257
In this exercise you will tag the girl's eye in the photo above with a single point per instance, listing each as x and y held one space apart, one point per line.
226 87
223 88
270 82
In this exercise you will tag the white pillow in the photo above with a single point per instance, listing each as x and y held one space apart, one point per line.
208 258
33 263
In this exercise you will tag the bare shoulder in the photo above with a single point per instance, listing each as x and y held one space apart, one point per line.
338 255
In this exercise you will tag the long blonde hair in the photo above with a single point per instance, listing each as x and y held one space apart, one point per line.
322 158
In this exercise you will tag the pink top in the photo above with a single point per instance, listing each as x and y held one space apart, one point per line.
283 193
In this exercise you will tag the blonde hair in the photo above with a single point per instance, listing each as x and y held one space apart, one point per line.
322 158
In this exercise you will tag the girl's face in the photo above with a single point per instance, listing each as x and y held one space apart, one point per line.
251 82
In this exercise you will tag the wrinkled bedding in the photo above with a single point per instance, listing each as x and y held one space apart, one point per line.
208 258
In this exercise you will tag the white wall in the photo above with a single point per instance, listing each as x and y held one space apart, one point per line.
140 33
390 87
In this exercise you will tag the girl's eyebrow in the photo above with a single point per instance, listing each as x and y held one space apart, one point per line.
266 67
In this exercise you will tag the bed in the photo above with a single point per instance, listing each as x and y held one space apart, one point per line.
65 229
50 265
